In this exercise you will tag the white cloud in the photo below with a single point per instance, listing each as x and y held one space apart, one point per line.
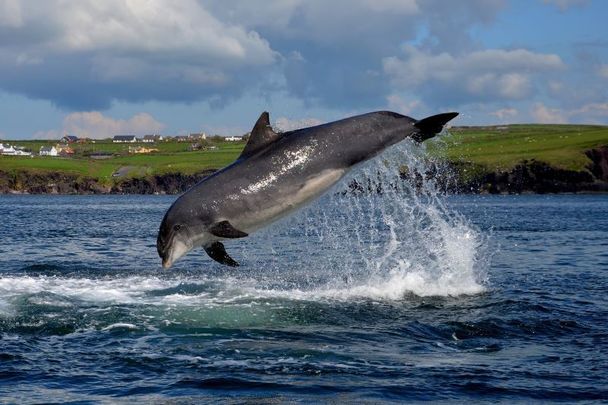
125 50
86 54
546 115
422 66
400 105
596 112
564 5
111 69
222 130
491 73
590 113
25 59
139 50
183 30
283 124
315 20
504 114
93 124
555 87
10 13
406 7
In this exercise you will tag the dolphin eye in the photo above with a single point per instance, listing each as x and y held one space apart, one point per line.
177 227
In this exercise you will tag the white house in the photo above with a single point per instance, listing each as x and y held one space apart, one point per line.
20 151
6 149
124 139
233 138
13 150
48 151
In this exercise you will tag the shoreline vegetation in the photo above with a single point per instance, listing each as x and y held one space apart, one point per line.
504 159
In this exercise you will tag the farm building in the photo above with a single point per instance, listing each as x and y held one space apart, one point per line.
124 139
48 151
69 139
13 150
152 138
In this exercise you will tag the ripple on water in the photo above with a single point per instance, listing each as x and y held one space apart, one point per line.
361 297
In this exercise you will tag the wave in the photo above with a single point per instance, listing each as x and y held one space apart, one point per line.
396 246
52 291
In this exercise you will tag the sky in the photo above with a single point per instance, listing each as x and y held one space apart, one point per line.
100 68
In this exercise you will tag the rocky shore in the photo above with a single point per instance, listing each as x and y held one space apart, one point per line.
540 178
533 177
527 177
22 182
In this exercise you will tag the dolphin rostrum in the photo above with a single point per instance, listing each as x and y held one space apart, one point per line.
276 174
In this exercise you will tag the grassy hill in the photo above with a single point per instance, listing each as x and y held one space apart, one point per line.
503 147
172 157
475 151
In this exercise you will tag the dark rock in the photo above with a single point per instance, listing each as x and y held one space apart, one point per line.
535 177
599 162
65 183
527 177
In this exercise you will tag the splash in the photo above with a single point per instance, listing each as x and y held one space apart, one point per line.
375 236
380 236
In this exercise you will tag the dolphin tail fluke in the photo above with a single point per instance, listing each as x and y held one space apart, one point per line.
430 126
217 252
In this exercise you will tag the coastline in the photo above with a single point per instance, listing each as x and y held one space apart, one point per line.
529 176
24 182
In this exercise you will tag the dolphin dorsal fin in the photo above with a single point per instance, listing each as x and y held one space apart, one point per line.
261 135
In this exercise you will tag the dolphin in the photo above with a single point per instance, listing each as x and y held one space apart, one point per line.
276 174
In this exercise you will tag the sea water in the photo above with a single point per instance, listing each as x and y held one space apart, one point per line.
394 293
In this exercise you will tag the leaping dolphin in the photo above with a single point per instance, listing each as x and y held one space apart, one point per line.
276 174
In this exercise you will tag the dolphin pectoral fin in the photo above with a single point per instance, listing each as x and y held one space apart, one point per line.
217 252
431 126
224 229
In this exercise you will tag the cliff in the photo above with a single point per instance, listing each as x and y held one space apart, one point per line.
540 178
66 183
530 176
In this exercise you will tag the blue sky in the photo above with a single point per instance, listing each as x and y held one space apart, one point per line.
97 69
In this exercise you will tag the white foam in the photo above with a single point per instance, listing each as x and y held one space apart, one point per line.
405 241
229 291
120 325
112 290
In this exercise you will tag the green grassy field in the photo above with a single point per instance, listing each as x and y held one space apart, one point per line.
502 147
487 148
172 157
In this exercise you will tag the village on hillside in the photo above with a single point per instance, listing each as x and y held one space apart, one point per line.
71 145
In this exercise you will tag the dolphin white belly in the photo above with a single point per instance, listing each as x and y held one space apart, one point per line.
287 200
277 174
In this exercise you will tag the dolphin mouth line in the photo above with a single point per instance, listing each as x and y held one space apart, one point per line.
168 259
277 163
165 255
175 250
167 251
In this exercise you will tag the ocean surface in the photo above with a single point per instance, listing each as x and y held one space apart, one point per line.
389 297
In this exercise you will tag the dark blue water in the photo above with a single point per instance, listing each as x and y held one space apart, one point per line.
497 298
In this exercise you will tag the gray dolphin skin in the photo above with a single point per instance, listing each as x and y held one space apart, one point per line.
276 174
